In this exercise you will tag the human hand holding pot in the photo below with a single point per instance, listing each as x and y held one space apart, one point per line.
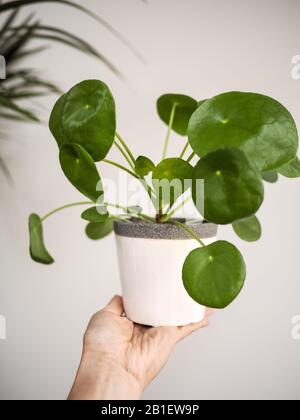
121 358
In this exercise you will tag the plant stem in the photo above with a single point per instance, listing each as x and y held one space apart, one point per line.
81 203
191 157
124 155
145 217
184 150
189 231
67 206
125 147
169 215
147 187
110 162
171 122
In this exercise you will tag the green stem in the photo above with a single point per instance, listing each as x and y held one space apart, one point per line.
169 215
149 190
122 141
145 217
67 206
124 155
189 231
110 162
191 157
81 203
147 187
184 150
171 122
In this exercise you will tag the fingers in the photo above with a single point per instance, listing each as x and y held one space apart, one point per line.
115 306
189 329
209 312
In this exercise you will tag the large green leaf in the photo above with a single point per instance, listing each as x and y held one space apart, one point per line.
248 229
86 116
81 171
185 106
291 169
214 275
233 188
257 124
38 250
171 178
96 231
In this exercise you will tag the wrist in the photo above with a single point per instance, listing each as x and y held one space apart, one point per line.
102 377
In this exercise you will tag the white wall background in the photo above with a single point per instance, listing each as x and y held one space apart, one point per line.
197 47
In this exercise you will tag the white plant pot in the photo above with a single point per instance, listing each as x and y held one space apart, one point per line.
151 258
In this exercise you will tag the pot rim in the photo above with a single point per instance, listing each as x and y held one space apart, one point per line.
137 228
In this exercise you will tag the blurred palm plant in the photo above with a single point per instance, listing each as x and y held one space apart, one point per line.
24 83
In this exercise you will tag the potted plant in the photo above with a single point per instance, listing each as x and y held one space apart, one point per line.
170 266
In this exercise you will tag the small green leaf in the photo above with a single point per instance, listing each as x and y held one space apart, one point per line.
171 178
257 124
214 275
95 214
185 106
291 169
81 171
134 209
248 229
233 188
143 166
97 231
86 115
38 250
271 177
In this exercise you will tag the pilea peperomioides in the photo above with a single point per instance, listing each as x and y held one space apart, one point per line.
237 141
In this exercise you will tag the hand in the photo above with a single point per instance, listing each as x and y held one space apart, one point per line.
121 358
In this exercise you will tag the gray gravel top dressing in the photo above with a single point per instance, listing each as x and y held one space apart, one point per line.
140 229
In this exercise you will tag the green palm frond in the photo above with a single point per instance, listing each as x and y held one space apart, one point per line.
15 39
21 3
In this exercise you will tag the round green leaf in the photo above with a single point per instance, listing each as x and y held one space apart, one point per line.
86 115
185 106
143 166
97 231
171 178
95 214
291 169
80 169
233 188
248 229
271 177
257 124
38 250
214 275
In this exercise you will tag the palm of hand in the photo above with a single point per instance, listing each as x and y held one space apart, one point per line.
141 351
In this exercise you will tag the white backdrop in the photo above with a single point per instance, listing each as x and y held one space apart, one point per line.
197 47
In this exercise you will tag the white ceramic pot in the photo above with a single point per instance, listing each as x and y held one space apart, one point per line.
151 258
